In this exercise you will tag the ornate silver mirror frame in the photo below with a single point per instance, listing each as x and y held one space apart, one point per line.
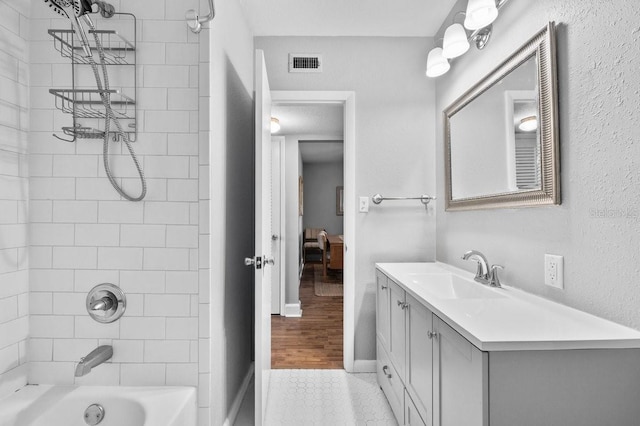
543 47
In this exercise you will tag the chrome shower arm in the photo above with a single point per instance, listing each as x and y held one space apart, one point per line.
194 22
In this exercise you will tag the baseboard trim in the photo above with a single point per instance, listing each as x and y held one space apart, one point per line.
237 402
293 310
364 366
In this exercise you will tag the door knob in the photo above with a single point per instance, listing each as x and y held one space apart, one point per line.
269 261
253 261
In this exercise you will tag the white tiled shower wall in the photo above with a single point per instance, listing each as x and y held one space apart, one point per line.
83 234
14 122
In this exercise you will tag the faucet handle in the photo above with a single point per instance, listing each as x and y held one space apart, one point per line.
494 280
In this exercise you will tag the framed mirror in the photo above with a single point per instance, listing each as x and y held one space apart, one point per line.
501 136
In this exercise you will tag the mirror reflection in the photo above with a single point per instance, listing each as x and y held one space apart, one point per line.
494 139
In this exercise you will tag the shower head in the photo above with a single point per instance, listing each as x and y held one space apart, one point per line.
74 10
69 8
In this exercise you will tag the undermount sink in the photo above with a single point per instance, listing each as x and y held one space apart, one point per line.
451 286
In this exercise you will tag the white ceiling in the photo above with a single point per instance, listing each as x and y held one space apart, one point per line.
388 18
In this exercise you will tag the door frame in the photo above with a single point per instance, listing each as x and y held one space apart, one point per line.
347 99
280 141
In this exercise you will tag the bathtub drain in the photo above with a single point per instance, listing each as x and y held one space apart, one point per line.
94 414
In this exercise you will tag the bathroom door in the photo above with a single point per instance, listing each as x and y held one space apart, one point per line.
263 243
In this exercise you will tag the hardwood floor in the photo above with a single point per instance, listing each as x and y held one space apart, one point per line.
315 340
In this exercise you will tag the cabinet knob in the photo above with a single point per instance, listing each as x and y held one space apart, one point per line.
385 370
432 334
403 305
384 287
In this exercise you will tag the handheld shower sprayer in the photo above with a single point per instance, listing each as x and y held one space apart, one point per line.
77 11
74 11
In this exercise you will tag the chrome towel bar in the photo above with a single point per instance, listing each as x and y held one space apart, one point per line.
424 199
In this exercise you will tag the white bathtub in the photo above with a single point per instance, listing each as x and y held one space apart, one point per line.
46 405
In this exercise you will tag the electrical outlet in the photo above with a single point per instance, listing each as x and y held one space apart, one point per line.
554 271
364 205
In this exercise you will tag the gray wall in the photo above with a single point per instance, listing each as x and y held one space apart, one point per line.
395 142
600 154
230 149
320 182
293 221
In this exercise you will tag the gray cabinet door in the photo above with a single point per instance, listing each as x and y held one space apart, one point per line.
397 327
382 309
411 415
419 376
460 380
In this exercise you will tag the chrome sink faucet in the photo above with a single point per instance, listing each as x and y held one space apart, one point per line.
484 274
93 359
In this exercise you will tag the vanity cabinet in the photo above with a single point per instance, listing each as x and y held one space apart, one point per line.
501 358
430 374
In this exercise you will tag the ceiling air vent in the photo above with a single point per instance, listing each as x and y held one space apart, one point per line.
305 62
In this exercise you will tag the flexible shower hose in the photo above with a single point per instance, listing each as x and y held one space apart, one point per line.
110 117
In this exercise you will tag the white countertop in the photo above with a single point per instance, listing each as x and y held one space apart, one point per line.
507 319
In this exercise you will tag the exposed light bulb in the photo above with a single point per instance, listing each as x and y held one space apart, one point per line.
480 13
436 63
275 125
455 42
528 124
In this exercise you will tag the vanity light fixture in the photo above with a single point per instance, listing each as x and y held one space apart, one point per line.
455 42
528 124
480 13
275 125
437 64
479 16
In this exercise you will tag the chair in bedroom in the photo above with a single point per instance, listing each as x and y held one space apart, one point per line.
310 243
322 243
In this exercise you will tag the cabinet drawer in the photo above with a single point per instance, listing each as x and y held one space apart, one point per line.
411 415
390 382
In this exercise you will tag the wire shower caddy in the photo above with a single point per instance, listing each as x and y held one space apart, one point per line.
83 101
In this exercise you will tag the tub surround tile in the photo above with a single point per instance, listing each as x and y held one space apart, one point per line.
143 328
85 279
142 374
72 349
167 351
127 351
144 282
40 349
83 233
51 326
61 373
87 328
106 374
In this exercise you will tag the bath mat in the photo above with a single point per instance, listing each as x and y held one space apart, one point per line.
327 289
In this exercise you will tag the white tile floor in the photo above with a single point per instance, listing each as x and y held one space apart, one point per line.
323 398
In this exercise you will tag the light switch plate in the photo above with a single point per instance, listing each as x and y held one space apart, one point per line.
554 271
363 205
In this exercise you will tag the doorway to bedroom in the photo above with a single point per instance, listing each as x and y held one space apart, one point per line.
308 332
